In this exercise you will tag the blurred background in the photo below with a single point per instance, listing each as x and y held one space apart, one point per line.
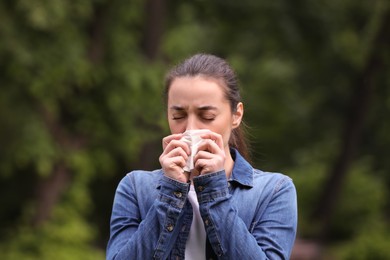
81 105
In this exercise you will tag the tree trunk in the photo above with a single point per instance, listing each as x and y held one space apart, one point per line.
154 25
155 12
96 34
352 133
50 189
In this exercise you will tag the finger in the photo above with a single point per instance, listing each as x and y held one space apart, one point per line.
217 138
173 144
210 146
166 140
175 152
178 152
203 155
183 145
204 166
174 162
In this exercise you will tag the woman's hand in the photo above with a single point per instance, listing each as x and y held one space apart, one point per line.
174 157
211 154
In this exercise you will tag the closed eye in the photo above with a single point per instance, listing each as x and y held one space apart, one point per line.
207 113
208 118
178 117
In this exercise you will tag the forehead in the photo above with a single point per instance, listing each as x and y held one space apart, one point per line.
198 88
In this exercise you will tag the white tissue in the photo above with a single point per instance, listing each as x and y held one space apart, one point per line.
193 139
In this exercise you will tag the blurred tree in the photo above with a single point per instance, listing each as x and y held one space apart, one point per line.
80 106
78 101
363 87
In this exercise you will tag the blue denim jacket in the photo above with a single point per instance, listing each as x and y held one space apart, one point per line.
253 215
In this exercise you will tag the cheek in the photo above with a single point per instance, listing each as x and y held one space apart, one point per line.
225 130
176 127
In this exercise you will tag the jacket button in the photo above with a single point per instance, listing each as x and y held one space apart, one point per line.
207 221
178 194
200 188
170 227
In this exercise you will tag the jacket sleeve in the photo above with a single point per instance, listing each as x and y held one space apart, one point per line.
273 229
152 237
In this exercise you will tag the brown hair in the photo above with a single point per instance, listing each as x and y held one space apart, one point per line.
211 66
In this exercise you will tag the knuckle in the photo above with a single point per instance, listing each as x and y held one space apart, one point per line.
161 158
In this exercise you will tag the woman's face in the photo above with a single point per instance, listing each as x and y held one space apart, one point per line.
200 103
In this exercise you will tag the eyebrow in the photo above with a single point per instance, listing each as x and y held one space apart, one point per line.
178 108
202 108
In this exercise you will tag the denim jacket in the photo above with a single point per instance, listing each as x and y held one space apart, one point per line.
253 215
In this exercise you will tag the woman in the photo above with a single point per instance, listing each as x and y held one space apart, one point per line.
222 208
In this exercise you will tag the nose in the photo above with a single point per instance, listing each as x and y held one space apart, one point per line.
192 123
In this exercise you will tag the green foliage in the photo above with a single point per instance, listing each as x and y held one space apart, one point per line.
186 35
78 91
75 99
67 234
370 244
361 203
359 208
68 238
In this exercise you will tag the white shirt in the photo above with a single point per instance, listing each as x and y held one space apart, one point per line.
196 242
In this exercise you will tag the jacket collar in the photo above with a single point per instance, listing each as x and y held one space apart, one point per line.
242 171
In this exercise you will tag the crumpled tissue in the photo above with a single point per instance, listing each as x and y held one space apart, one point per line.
193 139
